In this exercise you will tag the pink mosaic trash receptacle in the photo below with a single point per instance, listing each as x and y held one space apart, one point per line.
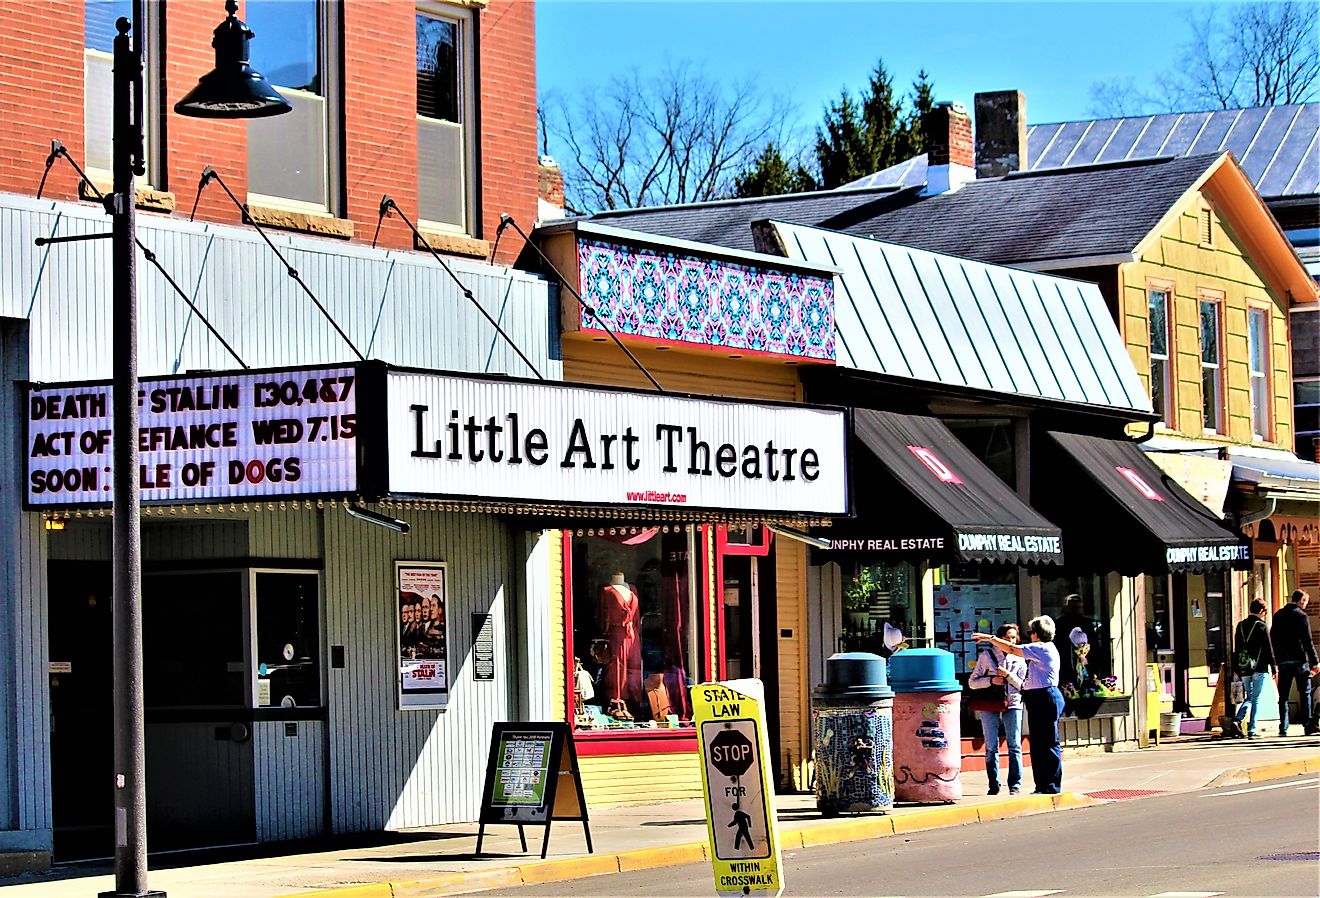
927 746
927 731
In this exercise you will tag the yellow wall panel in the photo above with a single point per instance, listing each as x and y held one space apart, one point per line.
709 373
616 780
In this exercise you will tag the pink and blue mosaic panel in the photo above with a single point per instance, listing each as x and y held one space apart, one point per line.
706 302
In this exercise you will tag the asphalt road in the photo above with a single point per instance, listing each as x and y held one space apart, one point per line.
1227 841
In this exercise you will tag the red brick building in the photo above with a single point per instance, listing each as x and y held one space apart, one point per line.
433 104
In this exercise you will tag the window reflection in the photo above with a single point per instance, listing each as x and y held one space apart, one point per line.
437 69
287 48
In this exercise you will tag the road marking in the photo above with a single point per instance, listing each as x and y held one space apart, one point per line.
1304 784
1186 895
1038 893
1155 777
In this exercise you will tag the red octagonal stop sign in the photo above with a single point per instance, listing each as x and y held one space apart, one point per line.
731 752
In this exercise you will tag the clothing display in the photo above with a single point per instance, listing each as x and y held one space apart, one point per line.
620 622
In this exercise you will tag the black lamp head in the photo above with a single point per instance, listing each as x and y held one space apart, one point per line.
233 89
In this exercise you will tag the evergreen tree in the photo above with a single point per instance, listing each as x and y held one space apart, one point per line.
862 136
770 174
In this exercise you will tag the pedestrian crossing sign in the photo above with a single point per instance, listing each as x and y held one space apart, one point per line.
735 770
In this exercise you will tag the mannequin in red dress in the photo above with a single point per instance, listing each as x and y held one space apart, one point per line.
620 623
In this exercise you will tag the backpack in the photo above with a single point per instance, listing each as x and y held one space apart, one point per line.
1245 663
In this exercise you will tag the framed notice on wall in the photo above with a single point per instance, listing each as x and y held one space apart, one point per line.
421 591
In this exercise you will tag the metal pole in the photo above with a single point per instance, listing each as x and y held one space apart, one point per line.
130 757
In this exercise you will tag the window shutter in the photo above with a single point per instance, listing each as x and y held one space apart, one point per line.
1207 237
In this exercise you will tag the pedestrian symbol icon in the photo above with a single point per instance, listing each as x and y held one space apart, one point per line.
744 823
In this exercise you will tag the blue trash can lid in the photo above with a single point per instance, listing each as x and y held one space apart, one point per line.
922 670
856 675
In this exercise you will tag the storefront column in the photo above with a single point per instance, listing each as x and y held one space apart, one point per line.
534 655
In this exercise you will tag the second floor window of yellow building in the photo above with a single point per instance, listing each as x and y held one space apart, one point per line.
1212 371
1159 353
1258 346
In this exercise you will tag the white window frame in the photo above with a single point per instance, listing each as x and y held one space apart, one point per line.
151 132
329 39
1220 424
1166 414
1262 411
466 19
253 661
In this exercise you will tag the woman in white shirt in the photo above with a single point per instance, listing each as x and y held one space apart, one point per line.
1042 699
995 667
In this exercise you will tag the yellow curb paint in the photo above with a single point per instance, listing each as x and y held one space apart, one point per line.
670 856
1277 770
952 816
847 831
569 868
371 890
456 883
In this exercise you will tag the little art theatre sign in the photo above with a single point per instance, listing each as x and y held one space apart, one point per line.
298 432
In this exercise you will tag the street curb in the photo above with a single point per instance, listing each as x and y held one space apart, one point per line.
1261 772
831 833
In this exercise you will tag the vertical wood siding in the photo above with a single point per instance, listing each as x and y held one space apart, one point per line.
389 768
794 688
399 307
199 787
288 780
824 616
612 781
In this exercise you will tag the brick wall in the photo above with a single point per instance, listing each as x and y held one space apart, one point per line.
41 97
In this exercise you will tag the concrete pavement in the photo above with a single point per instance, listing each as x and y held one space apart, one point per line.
438 860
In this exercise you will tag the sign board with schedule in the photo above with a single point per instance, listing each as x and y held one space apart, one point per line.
532 778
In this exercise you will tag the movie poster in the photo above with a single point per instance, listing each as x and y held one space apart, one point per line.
423 652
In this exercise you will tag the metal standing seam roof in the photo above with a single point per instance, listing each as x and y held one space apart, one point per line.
1277 146
936 318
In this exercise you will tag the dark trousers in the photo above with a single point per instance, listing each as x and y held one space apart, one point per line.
1043 709
1300 673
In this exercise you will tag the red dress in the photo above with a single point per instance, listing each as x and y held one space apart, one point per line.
620 620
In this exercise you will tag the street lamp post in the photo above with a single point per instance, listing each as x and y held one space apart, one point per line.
232 90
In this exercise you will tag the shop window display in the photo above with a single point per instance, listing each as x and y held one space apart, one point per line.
1081 609
875 595
972 598
633 646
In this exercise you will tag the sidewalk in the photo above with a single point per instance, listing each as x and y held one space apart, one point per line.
438 860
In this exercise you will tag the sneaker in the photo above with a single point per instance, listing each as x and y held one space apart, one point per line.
1252 735
1015 791
1311 731
994 790
1283 732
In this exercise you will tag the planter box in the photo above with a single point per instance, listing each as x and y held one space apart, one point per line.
1086 708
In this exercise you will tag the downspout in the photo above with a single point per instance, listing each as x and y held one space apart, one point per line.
1270 504
1150 432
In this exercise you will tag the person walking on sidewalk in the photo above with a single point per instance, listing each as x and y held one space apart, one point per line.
1253 659
997 668
1041 698
1294 654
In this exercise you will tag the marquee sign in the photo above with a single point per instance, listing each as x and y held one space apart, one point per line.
545 442
202 438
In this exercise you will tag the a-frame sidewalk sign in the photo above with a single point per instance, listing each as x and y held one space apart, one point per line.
532 779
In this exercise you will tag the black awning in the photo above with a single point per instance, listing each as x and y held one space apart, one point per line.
1121 512
931 498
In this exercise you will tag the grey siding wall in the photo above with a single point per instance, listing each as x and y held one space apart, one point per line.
289 779
824 617
399 307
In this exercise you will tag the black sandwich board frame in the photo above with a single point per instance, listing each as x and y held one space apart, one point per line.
526 763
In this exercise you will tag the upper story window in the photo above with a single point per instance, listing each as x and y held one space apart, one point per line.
1258 340
1212 371
1306 408
444 114
292 158
1158 302
99 17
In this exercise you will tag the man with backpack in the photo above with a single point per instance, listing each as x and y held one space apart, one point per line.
1294 654
1253 659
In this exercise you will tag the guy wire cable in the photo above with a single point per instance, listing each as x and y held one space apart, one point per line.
57 149
507 219
386 204
210 174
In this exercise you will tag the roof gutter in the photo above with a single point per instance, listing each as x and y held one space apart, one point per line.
1077 262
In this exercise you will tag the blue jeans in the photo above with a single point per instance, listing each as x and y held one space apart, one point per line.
1043 709
1252 684
1299 672
1010 722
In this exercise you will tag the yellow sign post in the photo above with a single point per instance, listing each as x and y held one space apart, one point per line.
735 770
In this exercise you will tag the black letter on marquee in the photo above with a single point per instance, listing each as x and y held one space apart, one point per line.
578 442
668 432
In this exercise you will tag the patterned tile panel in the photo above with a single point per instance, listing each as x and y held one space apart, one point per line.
706 302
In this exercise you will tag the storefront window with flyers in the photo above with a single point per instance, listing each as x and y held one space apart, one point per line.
634 646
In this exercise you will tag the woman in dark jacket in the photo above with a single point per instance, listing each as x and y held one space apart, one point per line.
1253 660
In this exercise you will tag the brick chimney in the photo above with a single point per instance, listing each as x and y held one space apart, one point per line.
550 191
1001 133
947 131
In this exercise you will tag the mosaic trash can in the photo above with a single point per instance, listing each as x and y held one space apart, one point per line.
852 735
927 732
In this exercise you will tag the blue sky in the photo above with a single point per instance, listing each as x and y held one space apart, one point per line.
807 50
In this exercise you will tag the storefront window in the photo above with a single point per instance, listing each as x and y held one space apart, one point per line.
972 598
634 642
1218 628
193 640
1079 603
879 594
1159 617
287 640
